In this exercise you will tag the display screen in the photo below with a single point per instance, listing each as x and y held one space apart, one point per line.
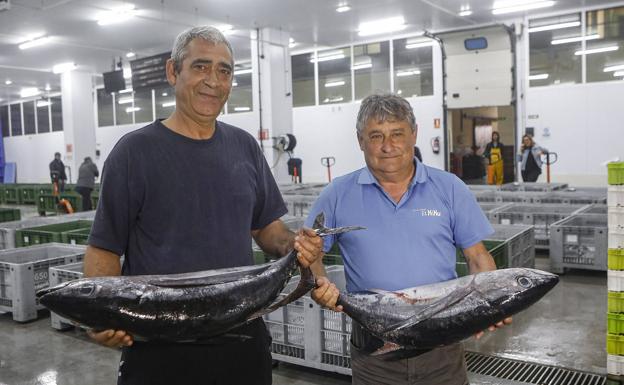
114 81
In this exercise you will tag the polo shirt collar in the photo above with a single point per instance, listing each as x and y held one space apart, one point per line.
367 177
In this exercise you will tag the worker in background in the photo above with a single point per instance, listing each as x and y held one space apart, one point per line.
494 154
87 173
187 194
57 172
415 218
531 159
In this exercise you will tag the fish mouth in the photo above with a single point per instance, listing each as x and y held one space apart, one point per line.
48 290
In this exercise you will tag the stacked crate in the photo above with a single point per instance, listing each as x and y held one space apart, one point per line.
615 315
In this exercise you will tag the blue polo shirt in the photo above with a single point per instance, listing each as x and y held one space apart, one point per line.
405 244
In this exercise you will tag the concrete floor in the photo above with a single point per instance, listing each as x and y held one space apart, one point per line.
566 328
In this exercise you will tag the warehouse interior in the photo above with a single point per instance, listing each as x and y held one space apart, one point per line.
76 76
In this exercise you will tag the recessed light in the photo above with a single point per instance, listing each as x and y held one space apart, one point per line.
392 24
164 94
47 87
8 82
343 8
130 54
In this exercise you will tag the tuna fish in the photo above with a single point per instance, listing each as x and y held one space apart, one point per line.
430 316
181 307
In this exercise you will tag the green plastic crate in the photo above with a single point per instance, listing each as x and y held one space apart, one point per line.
8 215
616 173
27 194
48 203
616 259
44 189
615 344
77 237
615 302
615 323
497 251
47 233
11 195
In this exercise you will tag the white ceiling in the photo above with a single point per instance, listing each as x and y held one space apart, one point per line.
77 37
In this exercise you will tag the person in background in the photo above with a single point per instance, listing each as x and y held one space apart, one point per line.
530 156
494 154
415 218
57 172
87 173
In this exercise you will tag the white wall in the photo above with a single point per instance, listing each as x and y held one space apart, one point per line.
33 154
586 125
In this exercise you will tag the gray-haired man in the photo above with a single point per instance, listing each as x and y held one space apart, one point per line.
188 194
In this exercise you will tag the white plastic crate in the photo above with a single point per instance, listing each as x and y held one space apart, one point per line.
23 271
616 238
615 365
615 280
579 242
615 196
616 218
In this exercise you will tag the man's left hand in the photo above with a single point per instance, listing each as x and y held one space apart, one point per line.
504 322
309 247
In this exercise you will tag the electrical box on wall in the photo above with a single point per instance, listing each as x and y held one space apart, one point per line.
5 5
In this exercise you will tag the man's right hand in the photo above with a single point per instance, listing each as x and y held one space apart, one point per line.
326 294
111 338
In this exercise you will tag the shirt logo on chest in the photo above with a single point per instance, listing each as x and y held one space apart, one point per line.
429 212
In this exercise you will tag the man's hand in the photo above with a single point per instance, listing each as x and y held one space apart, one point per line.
309 247
111 338
326 294
504 322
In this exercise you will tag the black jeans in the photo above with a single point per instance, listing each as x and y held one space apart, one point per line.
244 361
85 192
531 175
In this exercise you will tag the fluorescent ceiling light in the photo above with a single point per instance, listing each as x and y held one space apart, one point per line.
337 83
133 109
117 15
8 82
29 91
243 71
169 104
234 83
606 69
618 73
333 100
343 8
414 43
413 72
125 100
327 56
575 39
242 109
597 50
521 7
392 24
362 66
164 94
43 103
130 54
466 12
551 27
538 77
362 62
35 42
47 87
127 90
63 67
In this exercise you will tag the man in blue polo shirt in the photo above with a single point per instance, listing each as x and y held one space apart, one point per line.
415 217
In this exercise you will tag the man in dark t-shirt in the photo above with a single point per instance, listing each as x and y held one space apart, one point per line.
187 194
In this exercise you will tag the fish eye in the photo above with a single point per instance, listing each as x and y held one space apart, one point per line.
524 282
87 290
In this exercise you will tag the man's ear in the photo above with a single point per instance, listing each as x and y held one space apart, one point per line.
172 76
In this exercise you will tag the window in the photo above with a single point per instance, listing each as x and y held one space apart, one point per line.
104 108
43 116
371 68
552 45
240 99
413 66
143 106
605 44
303 80
123 108
4 120
165 101
334 73
16 119
56 108
30 127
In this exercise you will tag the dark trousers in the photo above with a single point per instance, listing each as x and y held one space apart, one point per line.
239 361
85 192
531 175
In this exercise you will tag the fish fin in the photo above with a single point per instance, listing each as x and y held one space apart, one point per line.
433 308
319 222
306 283
380 291
209 277
388 347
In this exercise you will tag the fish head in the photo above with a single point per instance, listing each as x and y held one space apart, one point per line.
515 289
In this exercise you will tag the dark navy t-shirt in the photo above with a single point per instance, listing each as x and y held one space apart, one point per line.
172 204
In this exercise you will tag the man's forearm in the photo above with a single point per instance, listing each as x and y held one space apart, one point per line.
275 239
101 263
